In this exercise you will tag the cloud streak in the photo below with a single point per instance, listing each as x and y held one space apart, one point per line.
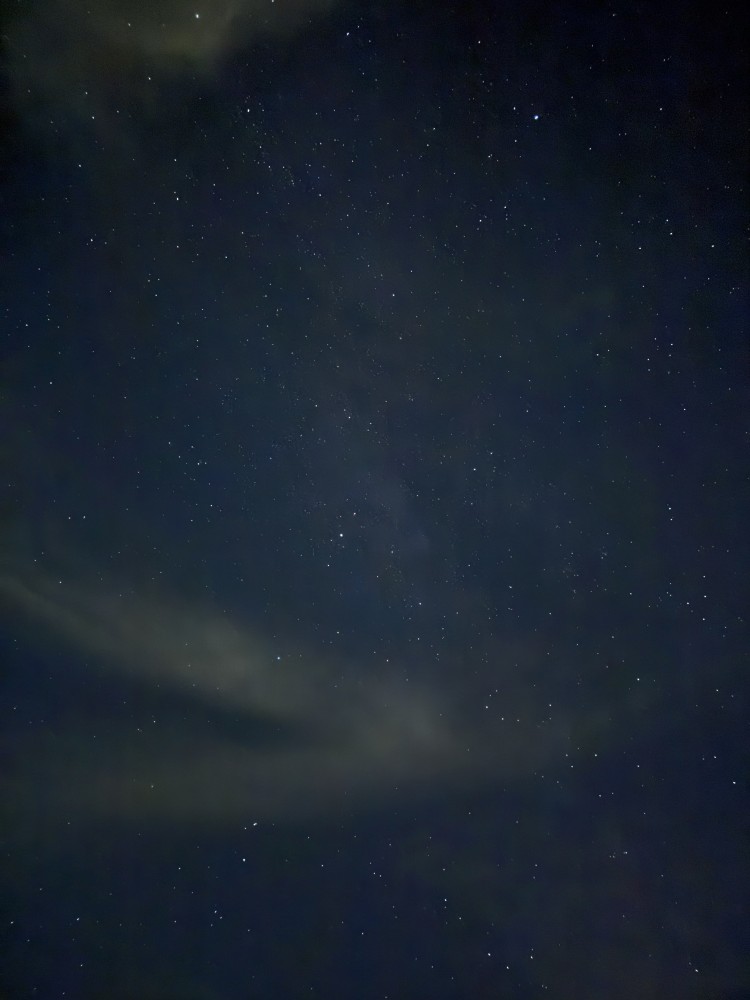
98 62
333 735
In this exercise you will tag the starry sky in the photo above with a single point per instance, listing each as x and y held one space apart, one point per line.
374 406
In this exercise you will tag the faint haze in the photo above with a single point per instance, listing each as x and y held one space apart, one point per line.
99 62
309 732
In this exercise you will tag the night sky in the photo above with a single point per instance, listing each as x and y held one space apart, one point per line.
374 413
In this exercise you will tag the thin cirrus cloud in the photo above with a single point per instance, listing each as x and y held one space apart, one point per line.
96 62
247 732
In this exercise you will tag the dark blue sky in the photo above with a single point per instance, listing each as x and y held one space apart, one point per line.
372 533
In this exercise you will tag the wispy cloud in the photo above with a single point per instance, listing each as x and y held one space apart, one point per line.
345 733
99 62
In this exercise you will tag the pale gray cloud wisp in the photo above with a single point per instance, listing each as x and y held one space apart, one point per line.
348 734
